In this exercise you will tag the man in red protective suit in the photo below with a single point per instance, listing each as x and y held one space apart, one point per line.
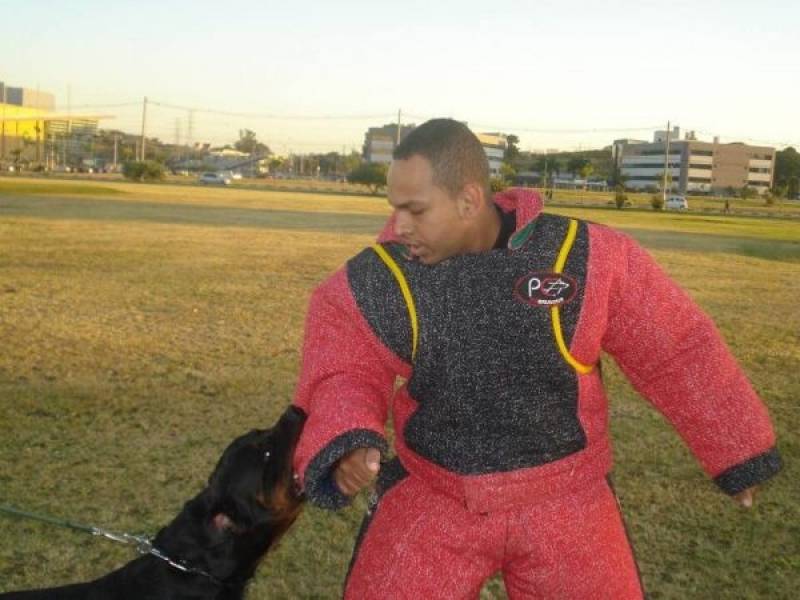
495 316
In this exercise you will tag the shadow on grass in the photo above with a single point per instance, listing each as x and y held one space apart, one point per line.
779 250
111 210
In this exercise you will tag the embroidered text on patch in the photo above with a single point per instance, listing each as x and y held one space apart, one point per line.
545 289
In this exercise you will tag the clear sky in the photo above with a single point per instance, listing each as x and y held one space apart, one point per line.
551 72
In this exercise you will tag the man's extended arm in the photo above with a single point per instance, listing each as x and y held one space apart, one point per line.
345 382
675 357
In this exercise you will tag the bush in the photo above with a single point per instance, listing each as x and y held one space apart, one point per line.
497 184
657 201
148 170
620 197
372 175
747 192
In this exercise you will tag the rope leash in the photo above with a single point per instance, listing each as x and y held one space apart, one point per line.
143 545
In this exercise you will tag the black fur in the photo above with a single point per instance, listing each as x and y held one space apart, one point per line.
249 502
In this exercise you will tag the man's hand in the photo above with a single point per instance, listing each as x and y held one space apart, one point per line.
746 497
357 470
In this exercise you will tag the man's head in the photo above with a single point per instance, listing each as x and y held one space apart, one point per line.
438 184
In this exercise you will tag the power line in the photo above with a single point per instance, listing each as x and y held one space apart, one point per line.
272 115
517 128
94 106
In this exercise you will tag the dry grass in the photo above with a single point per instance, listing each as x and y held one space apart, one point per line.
138 338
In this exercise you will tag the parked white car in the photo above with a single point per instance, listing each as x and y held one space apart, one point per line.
677 203
214 178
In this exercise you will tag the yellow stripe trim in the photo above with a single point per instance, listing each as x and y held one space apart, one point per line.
555 313
572 231
406 291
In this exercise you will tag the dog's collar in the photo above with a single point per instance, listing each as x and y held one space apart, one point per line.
149 548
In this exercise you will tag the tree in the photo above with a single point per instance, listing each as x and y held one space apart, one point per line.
372 175
793 188
351 162
787 166
507 173
548 168
586 170
249 144
512 150
576 164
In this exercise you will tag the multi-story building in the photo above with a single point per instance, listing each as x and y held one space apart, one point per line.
380 142
494 145
694 166
30 130
28 98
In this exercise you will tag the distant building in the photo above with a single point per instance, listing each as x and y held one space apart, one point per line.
380 142
694 166
28 98
494 145
618 149
32 132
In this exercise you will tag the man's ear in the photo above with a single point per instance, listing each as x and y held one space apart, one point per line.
470 201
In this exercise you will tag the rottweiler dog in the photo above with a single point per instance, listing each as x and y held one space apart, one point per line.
216 542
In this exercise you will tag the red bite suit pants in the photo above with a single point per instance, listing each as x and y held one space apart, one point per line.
418 543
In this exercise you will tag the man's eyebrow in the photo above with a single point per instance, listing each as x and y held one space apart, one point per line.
406 204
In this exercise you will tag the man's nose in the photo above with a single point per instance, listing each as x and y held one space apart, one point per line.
402 225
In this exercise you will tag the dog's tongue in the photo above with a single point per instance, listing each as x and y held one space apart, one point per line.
222 521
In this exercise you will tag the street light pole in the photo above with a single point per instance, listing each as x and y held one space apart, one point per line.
666 166
144 121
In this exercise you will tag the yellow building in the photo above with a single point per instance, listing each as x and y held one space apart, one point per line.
44 137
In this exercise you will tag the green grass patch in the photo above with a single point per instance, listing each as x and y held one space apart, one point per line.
140 334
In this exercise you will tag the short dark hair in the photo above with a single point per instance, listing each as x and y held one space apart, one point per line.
455 153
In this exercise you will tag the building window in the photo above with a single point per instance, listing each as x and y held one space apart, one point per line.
657 153
672 165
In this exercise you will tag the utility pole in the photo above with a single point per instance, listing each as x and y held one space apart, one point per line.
3 134
399 125
189 128
144 122
116 143
666 166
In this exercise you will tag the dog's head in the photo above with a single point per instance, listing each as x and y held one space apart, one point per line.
249 502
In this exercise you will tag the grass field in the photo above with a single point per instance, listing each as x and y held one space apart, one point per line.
142 327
